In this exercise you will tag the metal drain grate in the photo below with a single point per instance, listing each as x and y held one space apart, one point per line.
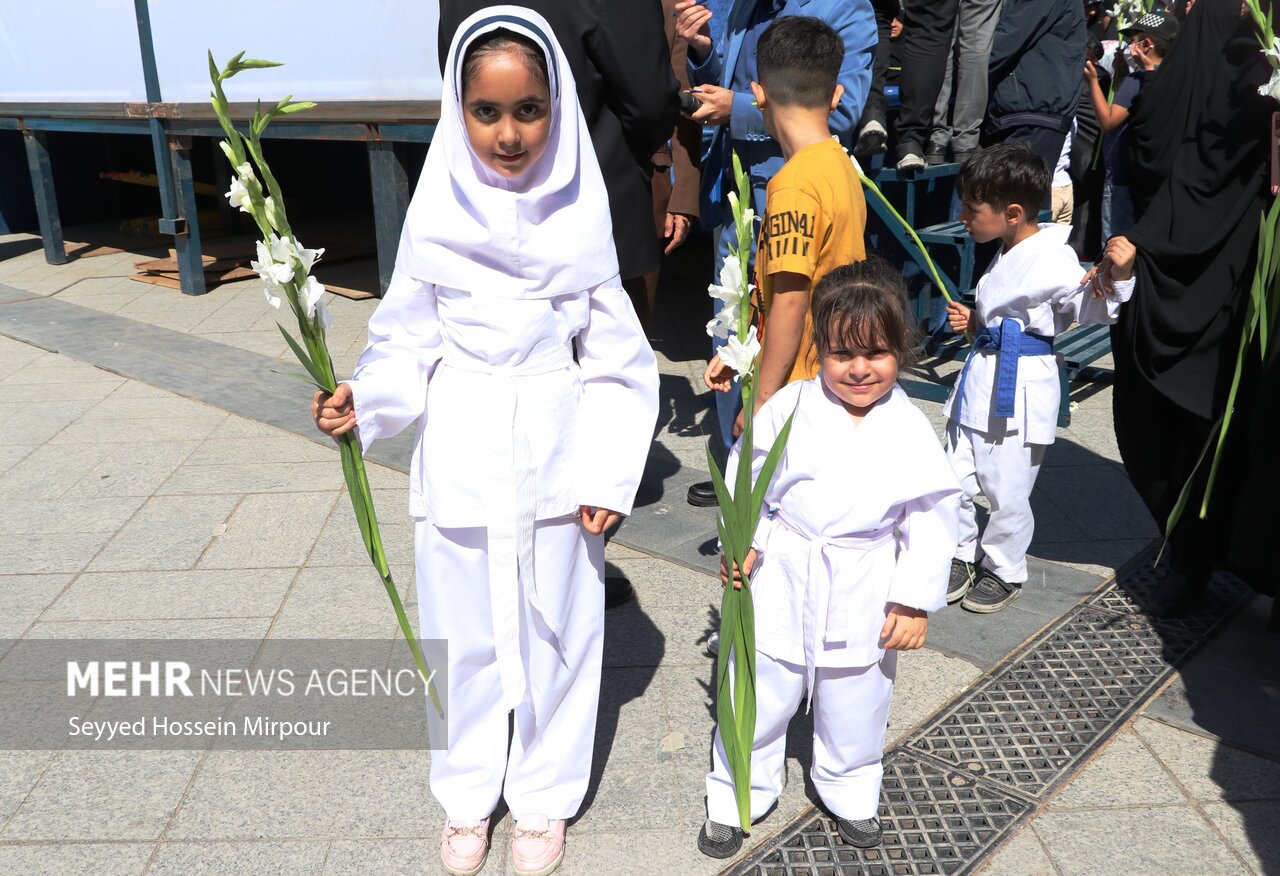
1040 713
934 821
955 788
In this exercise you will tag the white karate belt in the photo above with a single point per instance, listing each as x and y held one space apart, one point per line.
511 517
828 603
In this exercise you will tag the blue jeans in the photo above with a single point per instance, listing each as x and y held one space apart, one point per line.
1117 209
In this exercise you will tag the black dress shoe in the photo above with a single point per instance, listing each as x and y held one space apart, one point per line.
703 495
617 590
935 155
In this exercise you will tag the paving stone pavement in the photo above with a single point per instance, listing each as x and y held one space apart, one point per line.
173 494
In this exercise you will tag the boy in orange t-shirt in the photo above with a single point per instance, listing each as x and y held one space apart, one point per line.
815 212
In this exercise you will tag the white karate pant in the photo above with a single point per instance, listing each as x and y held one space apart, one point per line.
850 717
1004 470
542 771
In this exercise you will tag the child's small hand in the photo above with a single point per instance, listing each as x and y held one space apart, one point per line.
905 629
745 569
597 520
718 375
960 318
334 414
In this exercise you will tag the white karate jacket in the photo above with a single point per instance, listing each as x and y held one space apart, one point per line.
1036 283
859 517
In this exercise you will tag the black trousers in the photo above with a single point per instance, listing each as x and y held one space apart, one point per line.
926 42
877 108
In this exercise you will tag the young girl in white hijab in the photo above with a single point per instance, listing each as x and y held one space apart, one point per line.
524 456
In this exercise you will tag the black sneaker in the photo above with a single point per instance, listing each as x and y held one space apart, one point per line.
717 840
990 593
864 834
960 582
703 495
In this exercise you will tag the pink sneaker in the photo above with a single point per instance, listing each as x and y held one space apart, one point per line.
537 845
464 846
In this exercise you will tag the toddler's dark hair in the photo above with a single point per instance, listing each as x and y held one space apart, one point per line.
497 42
863 306
798 60
1004 175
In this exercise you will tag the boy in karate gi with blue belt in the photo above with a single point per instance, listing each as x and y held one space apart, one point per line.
1003 412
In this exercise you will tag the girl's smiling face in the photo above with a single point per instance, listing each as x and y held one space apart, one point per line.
859 377
507 111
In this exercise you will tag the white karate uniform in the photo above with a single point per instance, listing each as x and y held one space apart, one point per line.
1036 284
861 517
475 341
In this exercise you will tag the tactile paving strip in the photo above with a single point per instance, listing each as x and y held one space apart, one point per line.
957 786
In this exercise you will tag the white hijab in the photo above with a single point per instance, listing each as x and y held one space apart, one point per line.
544 233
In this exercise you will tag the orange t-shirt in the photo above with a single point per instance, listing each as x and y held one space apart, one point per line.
815 220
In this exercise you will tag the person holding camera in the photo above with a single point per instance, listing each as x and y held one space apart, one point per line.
1147 43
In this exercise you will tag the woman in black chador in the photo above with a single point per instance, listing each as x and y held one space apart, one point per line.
1199 164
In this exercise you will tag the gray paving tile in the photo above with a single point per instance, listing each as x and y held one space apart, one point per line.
24 597
1021 856
90 391
1136 842
635 853
104 795
169 532
637 634
1252 830
133 469
118 409
661 583
186 429
233 859
340 543
1108 505
339 603
56 516
11 454
1123 775
27 552
200 593
270 531
1209 770
49 471
630 772
274 447
19 772
311 794
33 422
252 477
358 857
59 859
154 628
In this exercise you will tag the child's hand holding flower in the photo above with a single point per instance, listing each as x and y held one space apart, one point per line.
334 414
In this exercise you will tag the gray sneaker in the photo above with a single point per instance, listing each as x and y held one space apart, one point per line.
960 581
717 840
910 162
990 593
864 834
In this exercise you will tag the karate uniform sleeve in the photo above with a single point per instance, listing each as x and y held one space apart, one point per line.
390 381
1080 305
619 402
928 533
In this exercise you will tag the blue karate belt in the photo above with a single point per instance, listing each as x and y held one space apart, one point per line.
1009 342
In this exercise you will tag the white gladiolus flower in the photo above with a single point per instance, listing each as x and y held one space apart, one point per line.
245 171
326 318
269 207
308 257
226 150
739 356
749 218
1272 88
725 323
730 289
239 196
272 291
274 265
311 295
